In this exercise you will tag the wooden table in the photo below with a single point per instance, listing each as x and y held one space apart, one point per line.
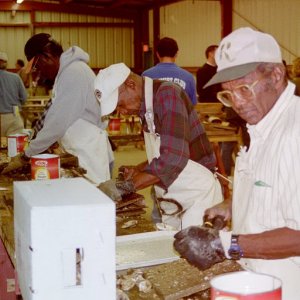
8 290
130 133
33 109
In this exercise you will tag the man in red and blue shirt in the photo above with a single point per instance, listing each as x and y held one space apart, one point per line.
180 158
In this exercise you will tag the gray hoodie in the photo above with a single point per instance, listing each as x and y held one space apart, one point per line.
72 99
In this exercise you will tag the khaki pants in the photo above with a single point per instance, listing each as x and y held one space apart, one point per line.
11 124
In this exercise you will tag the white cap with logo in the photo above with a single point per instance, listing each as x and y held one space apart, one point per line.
107 84
240 52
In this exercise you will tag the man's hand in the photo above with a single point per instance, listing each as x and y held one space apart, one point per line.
200 246
116 189
127 172
221 209
17 162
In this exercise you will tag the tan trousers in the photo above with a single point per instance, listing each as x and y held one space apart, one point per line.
11 124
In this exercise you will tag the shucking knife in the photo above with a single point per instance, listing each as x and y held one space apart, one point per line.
218 222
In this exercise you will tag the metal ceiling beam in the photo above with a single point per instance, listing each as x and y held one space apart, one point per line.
65 1
68 8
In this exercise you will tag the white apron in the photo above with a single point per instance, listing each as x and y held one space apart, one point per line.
195 189
243 222
90 144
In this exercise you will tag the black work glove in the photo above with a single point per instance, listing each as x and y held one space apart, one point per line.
200 246
116 189
125 187
17 162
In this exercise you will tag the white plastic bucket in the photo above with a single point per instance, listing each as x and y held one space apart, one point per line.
245 286
45 166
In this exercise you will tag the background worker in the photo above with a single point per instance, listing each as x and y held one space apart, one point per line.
166 69
265 210
21 71
209 94
12 96
204 74
180 158
73 115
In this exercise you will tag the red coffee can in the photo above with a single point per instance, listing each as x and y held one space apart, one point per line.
45 166
245 285
16 143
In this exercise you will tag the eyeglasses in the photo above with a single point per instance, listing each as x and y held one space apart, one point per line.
35 67
40 61
243 91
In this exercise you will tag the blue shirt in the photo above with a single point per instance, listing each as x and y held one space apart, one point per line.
171 72
12 91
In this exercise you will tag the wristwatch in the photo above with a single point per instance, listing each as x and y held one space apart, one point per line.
235 251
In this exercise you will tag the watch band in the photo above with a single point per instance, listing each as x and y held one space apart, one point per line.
235 251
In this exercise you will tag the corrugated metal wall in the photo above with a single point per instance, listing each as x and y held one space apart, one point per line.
277 17
13 39
105 45
194 25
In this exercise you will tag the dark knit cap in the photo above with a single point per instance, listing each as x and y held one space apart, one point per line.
36 44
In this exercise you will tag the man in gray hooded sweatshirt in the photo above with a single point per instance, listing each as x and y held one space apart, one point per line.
73 115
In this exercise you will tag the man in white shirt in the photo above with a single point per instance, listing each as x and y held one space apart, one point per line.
265 208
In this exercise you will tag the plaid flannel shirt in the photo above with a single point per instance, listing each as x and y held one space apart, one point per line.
182 135
40 122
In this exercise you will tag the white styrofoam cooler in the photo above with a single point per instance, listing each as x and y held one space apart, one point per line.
64 240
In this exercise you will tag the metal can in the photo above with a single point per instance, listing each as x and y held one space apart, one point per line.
245 286
45 166
16 143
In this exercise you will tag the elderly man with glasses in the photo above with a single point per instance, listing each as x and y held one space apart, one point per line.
265 208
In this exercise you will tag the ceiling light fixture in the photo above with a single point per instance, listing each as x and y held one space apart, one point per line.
19 1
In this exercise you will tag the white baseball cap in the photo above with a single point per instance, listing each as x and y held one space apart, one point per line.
3 56
106 85
240 52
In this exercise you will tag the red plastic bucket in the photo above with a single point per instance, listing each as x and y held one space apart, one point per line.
45 166
114 125
16 143
245 286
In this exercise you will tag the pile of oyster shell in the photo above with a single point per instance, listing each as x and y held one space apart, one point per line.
133 278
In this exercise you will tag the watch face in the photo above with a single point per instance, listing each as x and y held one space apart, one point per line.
235 252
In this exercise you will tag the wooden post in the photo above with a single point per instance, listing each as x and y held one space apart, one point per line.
226 17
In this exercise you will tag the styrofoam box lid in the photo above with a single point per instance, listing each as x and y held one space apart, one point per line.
60 192
145 249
